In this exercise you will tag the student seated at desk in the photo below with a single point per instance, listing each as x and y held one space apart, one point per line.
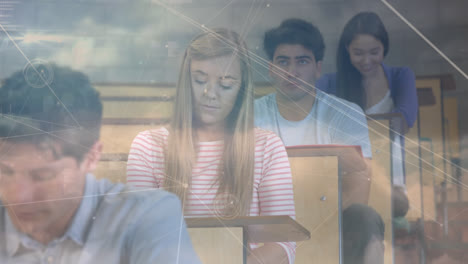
52 209
210 155
303 115
363 78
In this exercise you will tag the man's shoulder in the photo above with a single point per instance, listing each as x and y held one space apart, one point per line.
264 110
265 101
123 201
337 106
140 200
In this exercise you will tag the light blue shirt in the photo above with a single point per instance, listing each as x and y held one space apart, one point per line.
113 224
331 121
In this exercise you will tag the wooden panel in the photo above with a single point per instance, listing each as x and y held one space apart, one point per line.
118 138
428 179
430 117
432 149
137 109
380 194
135 90
452 143
260 229
217 245
451 126
314 178
413 186
115 171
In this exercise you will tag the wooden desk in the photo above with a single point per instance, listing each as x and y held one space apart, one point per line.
317 197
219 240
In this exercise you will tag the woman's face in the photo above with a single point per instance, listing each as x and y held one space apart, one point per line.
215 85
366 54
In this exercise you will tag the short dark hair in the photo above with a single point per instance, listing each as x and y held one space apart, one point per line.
64 109
361 224
295 31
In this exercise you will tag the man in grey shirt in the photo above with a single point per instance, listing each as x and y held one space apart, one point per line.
52 209
303 115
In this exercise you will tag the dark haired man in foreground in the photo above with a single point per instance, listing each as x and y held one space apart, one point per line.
53 210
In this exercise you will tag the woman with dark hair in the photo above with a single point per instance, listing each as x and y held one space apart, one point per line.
362 78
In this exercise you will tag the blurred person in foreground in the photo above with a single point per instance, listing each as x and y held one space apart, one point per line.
53 210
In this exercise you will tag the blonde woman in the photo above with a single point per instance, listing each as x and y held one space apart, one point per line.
210 155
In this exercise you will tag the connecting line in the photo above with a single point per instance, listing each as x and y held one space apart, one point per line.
38 121
276 70
250 20
78 197
40 75
279 71
434 47
424 38
244 27
219 12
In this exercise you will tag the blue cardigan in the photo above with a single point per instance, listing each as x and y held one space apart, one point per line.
402 85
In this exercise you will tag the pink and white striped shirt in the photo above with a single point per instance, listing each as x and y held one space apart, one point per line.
273 189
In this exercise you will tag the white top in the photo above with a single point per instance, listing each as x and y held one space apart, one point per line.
331 121
383 106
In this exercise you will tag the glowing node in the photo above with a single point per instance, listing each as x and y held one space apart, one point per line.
226 206
268 5
38 73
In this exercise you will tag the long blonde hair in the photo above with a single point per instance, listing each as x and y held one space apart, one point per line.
236 173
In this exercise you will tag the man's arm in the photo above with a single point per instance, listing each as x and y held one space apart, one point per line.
356 178
351 129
